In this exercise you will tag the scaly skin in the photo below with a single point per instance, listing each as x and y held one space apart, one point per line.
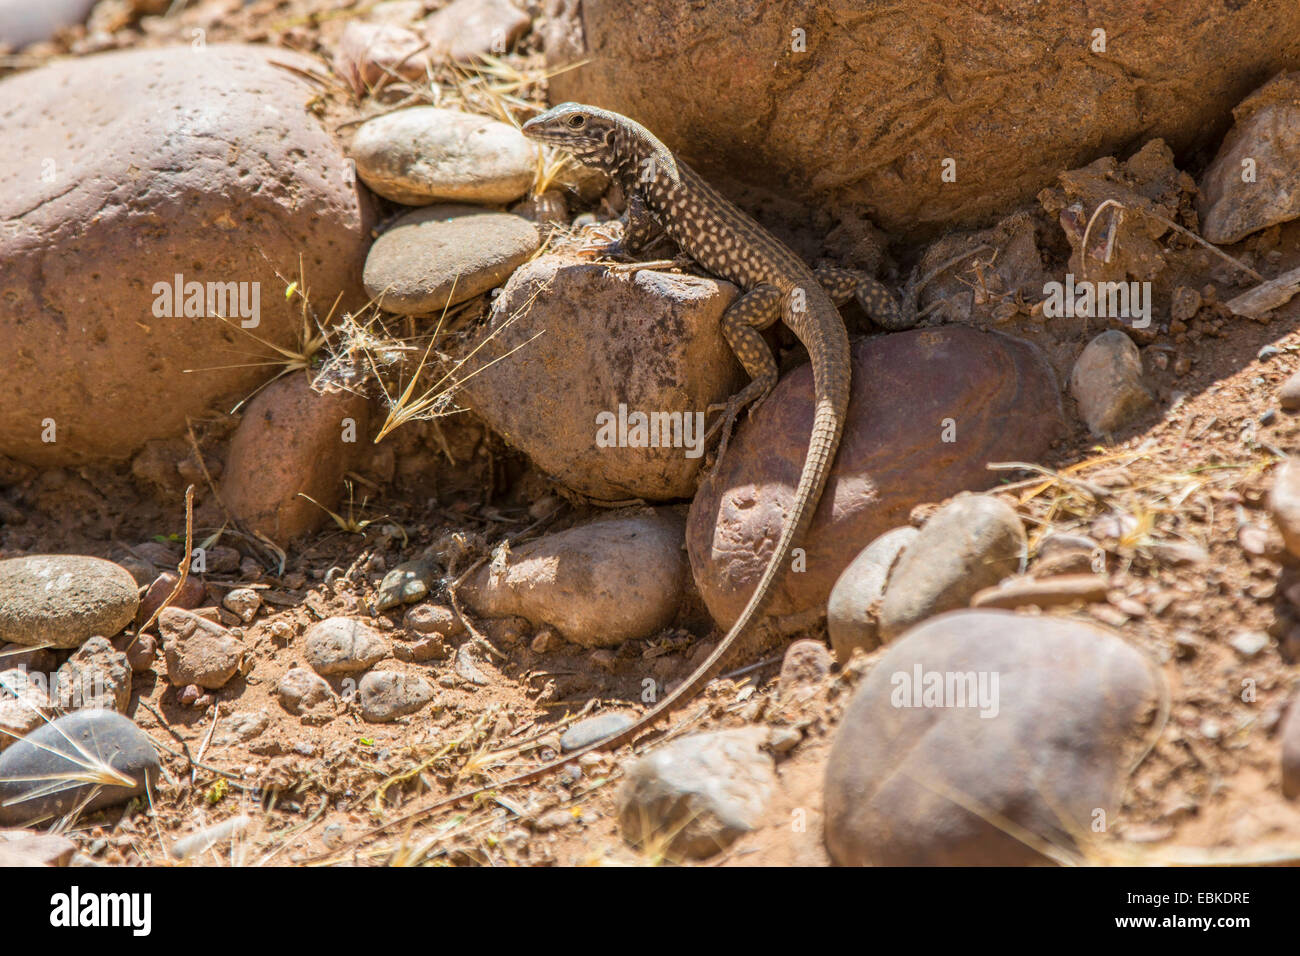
664 191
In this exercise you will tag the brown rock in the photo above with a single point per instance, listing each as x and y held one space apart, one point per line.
96 676
197 651
1044 592
38 849
658 348
140 651
1288 395
292 439
1034 720
178 171
301 691
853 611
971 542
999 394
1291 753
750 105
1235 200
463 29
341 645
368 52
598 584
1284 503
1107 382
806 664
193 593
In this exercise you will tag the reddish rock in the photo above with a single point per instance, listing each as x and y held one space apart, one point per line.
464 29
140 651
197 651
193 593
1003 403
290 440
147 158
368 52
658 348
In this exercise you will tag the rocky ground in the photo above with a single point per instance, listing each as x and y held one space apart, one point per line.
340 471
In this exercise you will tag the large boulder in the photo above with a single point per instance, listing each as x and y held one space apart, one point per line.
988 738
861 104
929 410
124 171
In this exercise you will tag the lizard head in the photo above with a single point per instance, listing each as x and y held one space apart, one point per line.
599 138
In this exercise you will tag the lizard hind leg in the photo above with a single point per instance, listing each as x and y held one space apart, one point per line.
742 323
872 294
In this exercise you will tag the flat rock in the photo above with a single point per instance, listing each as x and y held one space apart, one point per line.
302 691
387 695
853 611
219 176
292 441
75 746
596 728
62 599
698 794
425 154
198 651
993 394
598 584
1107 382
241 727
1265 133
657 350
1044 592
96 675
342 645
444 254
929 733
1284 503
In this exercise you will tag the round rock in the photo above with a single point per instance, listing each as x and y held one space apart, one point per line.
1034 720
995 396
341 645
971 543
213 176
445 254
102 742
388 695
425 154
62 599
1107 382
853 611
701 792
598 584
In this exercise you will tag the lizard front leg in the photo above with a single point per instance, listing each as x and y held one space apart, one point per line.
742 326
640 229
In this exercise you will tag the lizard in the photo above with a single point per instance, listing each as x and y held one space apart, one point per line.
663 191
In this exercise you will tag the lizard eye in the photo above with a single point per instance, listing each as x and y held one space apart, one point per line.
576 121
